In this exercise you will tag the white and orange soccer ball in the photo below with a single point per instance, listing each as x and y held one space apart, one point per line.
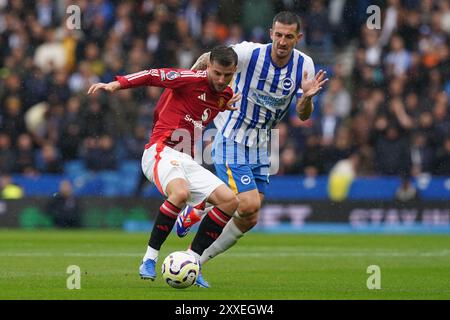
180 269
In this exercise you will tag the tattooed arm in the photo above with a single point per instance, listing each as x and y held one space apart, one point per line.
202 62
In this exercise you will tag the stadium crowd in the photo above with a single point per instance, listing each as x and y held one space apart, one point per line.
386 103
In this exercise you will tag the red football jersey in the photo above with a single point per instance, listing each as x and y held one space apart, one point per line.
189 102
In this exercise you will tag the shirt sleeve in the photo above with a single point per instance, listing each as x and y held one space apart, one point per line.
165 78
243 51
308 65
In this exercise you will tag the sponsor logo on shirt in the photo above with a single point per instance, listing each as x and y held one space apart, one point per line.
206 114
269 101
197 124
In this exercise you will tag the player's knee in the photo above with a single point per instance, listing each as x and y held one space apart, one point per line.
231 201
180 195
249 207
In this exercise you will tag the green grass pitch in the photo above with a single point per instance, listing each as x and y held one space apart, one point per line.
33 265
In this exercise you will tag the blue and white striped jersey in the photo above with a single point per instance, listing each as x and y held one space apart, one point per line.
267 92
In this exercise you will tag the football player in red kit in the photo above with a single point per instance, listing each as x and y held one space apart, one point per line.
190 102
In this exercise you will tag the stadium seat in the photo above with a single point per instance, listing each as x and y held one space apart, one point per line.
75 168
130 171
111 182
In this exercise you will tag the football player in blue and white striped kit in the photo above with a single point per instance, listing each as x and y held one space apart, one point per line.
269 77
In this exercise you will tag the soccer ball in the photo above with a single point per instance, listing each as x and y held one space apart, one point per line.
180 269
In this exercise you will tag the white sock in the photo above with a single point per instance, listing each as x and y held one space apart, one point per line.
229 236
151 254
195 254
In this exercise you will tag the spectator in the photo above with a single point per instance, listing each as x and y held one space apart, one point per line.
289 161
421 155
64 208
442 163
341 177
134 144
59 86
71 130
392 153
99 153
50 56
398 60
123 114
9 190
409 28
81 80
48 160
328 123
372 48
317 27
313 159
342 148
24 158
12 121
93 121
339 97
406 191
6 154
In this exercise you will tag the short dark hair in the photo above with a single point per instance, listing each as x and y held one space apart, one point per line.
223 55
286 17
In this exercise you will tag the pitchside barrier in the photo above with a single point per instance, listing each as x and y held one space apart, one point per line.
124 182
137 214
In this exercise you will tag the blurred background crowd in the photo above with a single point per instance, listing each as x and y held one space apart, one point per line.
385 107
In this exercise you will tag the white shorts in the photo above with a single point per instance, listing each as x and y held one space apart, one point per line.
173 164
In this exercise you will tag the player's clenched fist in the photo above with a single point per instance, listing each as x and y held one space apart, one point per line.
109 87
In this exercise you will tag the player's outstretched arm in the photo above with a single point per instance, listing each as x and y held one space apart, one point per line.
109 87
202 62
310 88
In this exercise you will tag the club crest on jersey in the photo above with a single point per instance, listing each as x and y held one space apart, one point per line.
287 83
171 75
246 179
221 102
206 114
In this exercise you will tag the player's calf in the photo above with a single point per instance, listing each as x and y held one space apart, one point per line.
249 206
213 223
247 221
178 193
